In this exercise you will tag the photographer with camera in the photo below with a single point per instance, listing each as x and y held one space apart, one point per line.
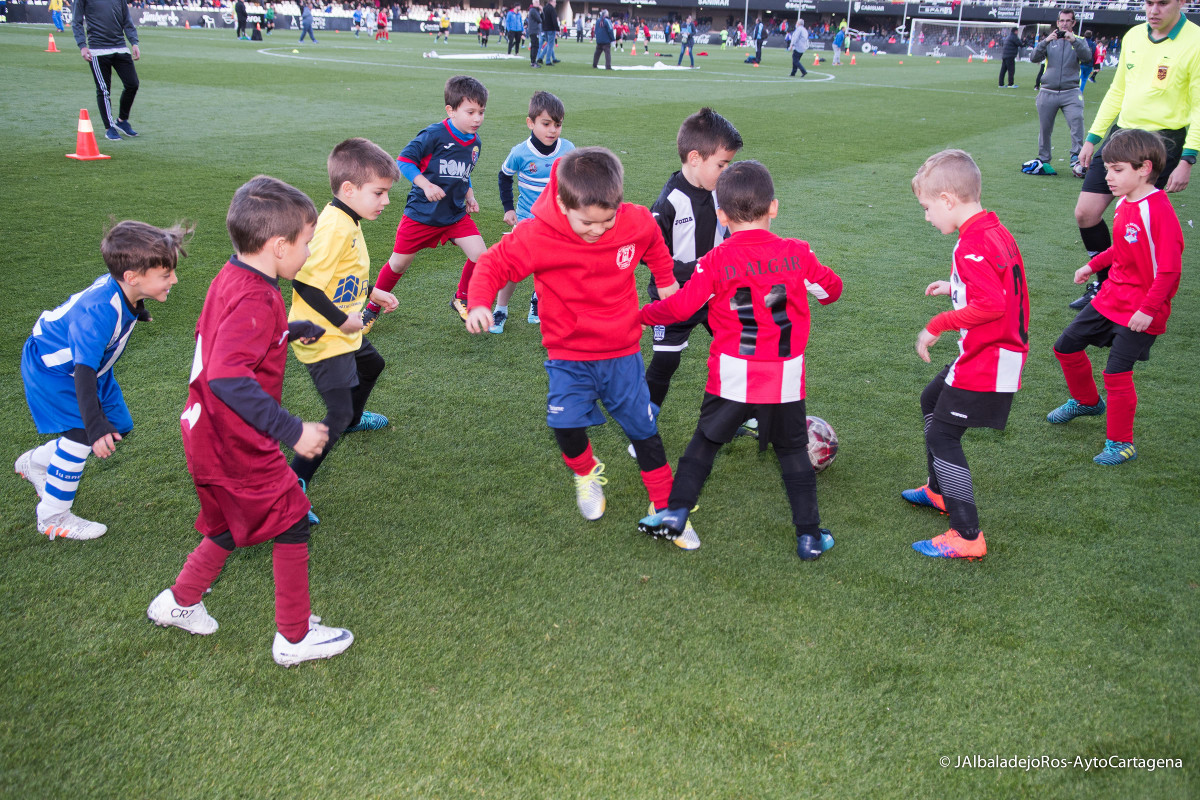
1063 52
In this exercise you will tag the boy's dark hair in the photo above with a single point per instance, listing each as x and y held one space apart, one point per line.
265 207
548 103
745 191
464 87
591 176
706 131
138 247
1134 146
360 161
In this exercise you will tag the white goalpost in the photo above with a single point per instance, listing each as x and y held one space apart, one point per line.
950 38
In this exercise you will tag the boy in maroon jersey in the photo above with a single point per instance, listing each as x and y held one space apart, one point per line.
233 424
756 285
1133 305
991 314
582 246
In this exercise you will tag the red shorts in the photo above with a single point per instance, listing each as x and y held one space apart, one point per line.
413 236
253 514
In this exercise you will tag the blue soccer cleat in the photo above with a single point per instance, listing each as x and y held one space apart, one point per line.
533 318
313 519
951 545
810 546
1072 409
924 496
369 421
1116 453
498 319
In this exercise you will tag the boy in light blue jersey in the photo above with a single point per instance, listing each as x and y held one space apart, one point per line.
530 163
67 369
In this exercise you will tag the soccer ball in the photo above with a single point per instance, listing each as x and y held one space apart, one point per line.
1078 169
822 443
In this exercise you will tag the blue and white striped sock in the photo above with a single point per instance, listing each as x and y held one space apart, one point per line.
62 477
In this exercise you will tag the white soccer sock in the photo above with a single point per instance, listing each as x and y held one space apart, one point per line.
502 308
62 477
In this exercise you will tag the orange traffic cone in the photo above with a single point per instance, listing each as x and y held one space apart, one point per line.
633 50
853 60
970 58
85 141
52 47
187 26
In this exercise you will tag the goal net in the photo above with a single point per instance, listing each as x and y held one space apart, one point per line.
947 38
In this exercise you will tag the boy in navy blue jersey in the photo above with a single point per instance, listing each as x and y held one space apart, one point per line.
67 368
439 162
686 212
530 163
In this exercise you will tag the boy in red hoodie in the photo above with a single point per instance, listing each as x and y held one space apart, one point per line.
582 246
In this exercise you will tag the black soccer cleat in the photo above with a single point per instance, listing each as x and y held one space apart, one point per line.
1092 289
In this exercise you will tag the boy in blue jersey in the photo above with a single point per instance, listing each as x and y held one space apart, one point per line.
439 162
530 161
67 369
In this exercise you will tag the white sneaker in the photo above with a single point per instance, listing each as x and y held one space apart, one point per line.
320 642
689 539
31 472
165 612
68 526
589 495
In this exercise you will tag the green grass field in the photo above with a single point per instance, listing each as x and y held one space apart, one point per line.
506 648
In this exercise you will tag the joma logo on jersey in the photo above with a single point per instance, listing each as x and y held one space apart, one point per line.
1131 233
625 256
683 221
453 169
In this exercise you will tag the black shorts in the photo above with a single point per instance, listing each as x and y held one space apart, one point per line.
1091 328
783 425
673 338
969 409
1094 181
341 371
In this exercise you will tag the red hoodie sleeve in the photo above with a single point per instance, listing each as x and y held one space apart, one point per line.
657 256
506 260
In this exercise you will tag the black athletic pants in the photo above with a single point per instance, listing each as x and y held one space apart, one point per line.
102 69
514 42
796 65
949 474
1008 65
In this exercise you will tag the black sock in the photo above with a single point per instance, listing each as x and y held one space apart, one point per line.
1096 239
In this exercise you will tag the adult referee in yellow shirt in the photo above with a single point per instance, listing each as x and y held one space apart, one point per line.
1157 88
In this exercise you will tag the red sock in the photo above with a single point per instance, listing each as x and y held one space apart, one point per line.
386 281
1077 369
468 271
1122 405
658 485
199 571
583 463
292 606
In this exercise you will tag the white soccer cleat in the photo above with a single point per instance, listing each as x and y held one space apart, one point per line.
320 642
689 539
68 526
589 494
31 472
165 612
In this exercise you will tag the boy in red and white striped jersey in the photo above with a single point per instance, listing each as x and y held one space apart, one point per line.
991 316
759 285
1133 305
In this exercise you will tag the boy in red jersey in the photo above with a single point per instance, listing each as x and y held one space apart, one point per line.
233 424
1133 305
991 314
439 162
756 285
582 246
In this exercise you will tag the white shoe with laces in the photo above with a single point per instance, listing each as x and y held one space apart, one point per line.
166 612
68 526
31 472
589 492
321 641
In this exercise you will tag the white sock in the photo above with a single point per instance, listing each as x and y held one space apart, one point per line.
62 477
502 308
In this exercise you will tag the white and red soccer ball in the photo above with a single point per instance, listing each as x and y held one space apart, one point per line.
822 443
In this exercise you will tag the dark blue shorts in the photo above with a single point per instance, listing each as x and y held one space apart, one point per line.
619 383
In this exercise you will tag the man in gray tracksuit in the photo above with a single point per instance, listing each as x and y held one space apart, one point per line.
1063 52
101 28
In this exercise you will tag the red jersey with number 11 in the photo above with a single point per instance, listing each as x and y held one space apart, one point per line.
759 285
991 308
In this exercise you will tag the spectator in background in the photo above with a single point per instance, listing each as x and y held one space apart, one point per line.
603 32
797 47
760 36
239 11
306 23
549 34
1008 58
1062 52
104 26
512 29
687 41
533 30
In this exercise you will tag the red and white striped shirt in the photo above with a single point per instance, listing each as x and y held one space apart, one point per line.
759 285
1146 260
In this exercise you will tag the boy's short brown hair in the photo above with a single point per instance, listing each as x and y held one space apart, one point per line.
706 132
745 191
1135 146
591 176
464 87
265 207
544 102
360 161
132 246
951 171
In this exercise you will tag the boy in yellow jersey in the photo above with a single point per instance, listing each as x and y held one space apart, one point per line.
330 291
1156 87
56 14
